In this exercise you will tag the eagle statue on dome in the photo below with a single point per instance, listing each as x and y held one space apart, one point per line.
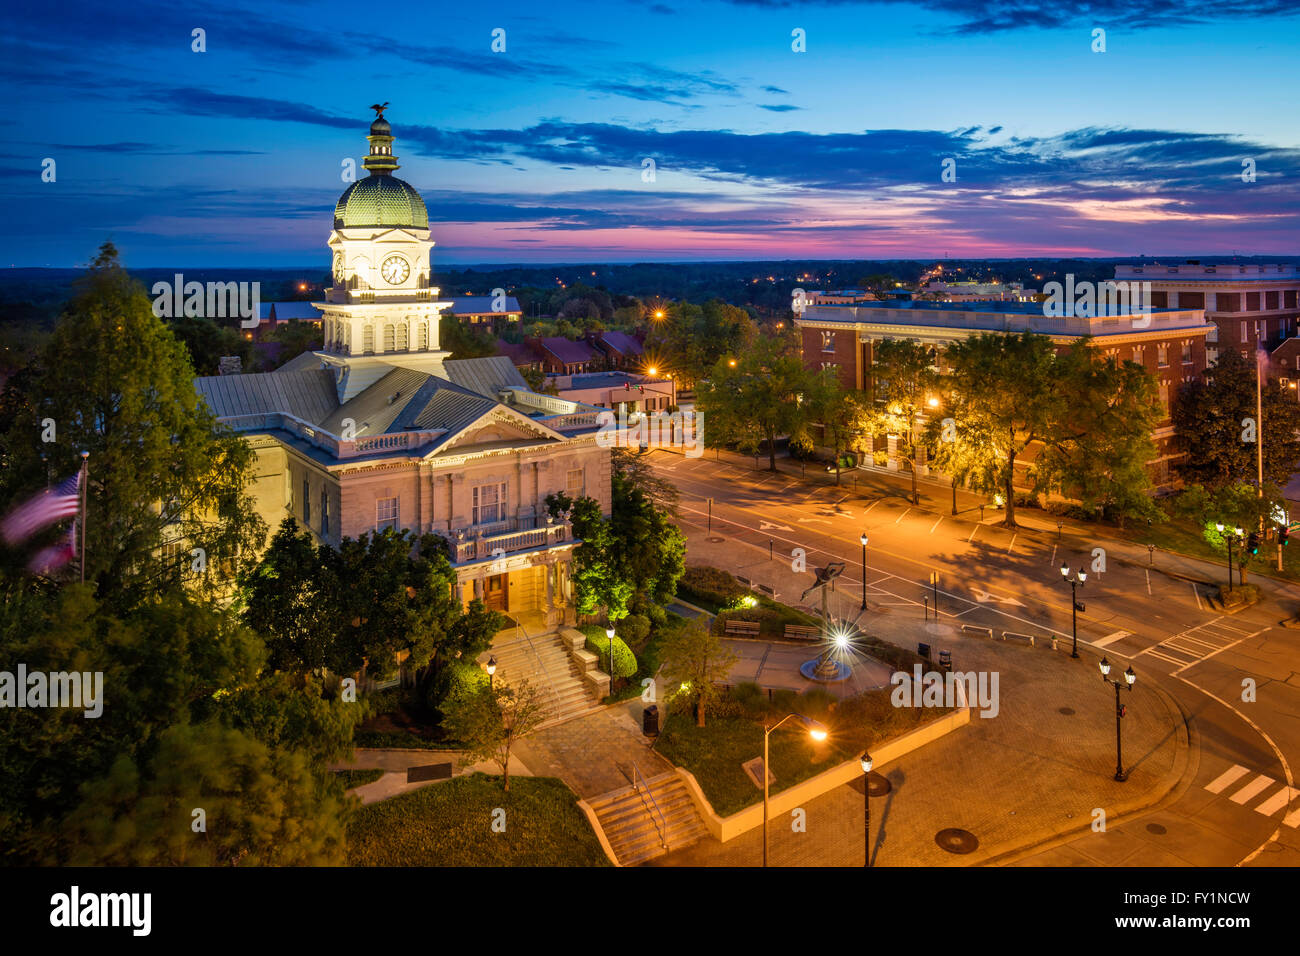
379 110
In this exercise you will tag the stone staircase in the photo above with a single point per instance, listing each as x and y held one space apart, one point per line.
637 827
557 664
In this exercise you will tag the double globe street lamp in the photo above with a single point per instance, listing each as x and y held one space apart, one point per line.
1075 583
1129 679
1237 533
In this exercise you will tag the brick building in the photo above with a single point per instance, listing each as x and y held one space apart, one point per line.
1170 343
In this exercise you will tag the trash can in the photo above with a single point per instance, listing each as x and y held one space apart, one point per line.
945 660
650 721
923 650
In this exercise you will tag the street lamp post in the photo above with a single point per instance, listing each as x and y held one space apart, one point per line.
609 635
1227 537
866 762
491 669
816 730
863 539
1075 582
1129 678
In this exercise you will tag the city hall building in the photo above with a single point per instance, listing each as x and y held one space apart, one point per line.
1170 343
379 429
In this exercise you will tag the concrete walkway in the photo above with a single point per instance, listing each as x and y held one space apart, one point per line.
396 762
591 754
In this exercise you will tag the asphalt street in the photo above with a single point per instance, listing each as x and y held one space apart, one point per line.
1238 800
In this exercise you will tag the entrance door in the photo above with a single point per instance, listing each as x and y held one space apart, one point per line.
495 593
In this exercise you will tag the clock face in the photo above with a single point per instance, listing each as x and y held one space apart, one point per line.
338 265
394 270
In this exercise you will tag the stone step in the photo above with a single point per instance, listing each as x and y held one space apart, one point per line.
632 808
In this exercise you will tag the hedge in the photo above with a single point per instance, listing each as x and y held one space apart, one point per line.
711 586
624 660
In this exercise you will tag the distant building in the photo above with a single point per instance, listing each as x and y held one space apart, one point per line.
561 356
1170 343
940 291
620 349
521 356
273 314
1250 305
841 297
477 311
615 390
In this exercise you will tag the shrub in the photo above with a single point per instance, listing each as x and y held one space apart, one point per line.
634 628
712 585
456 680
881 458
658 616
771 617
624 660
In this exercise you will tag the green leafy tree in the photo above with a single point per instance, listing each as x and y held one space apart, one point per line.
260 807
695 662
842 414
757 399
904 380
116 383
1215 424
207 343
1234 505
1103 443
1004 398
598 576
490 720
293 338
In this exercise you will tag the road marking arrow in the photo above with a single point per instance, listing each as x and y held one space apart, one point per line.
984 597
768 526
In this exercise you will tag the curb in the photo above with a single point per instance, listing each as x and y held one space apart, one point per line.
1174 784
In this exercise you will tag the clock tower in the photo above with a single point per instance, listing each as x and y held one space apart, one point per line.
381 310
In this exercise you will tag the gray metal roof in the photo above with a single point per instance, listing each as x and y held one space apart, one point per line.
301 362
485 376
309 395
409 400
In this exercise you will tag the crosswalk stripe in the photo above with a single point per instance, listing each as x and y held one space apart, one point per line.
1276 802
1163 657
1219 783
1110 639
1292 818
1251 789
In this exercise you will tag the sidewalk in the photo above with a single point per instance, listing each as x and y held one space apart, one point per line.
1035 771
395 763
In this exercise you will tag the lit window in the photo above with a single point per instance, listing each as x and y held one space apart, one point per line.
1162 355
828 341
574 485
385 514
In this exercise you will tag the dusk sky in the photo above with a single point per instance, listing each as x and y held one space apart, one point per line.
234 156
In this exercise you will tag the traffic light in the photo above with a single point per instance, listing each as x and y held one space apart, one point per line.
1252 543
1123 710
1283 534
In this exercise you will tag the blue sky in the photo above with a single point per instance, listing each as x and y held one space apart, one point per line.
535 154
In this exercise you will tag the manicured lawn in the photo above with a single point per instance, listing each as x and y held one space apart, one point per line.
357 778
715 752
450 824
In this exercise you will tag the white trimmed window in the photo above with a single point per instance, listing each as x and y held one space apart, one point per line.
828 341
489 503
385 514
1162 354
574 485
1187 353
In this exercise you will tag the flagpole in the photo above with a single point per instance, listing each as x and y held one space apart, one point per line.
85 470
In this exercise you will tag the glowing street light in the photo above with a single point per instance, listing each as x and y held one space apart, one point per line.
1075 583
491 669
866 762
863 539
816 730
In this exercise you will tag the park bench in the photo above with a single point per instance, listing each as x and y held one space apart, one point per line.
802 632
745 628
977 629
1012 635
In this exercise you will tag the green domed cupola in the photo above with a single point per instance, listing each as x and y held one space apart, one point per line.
381 200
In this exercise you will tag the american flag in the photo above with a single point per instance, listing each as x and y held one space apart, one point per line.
46 508
49 560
